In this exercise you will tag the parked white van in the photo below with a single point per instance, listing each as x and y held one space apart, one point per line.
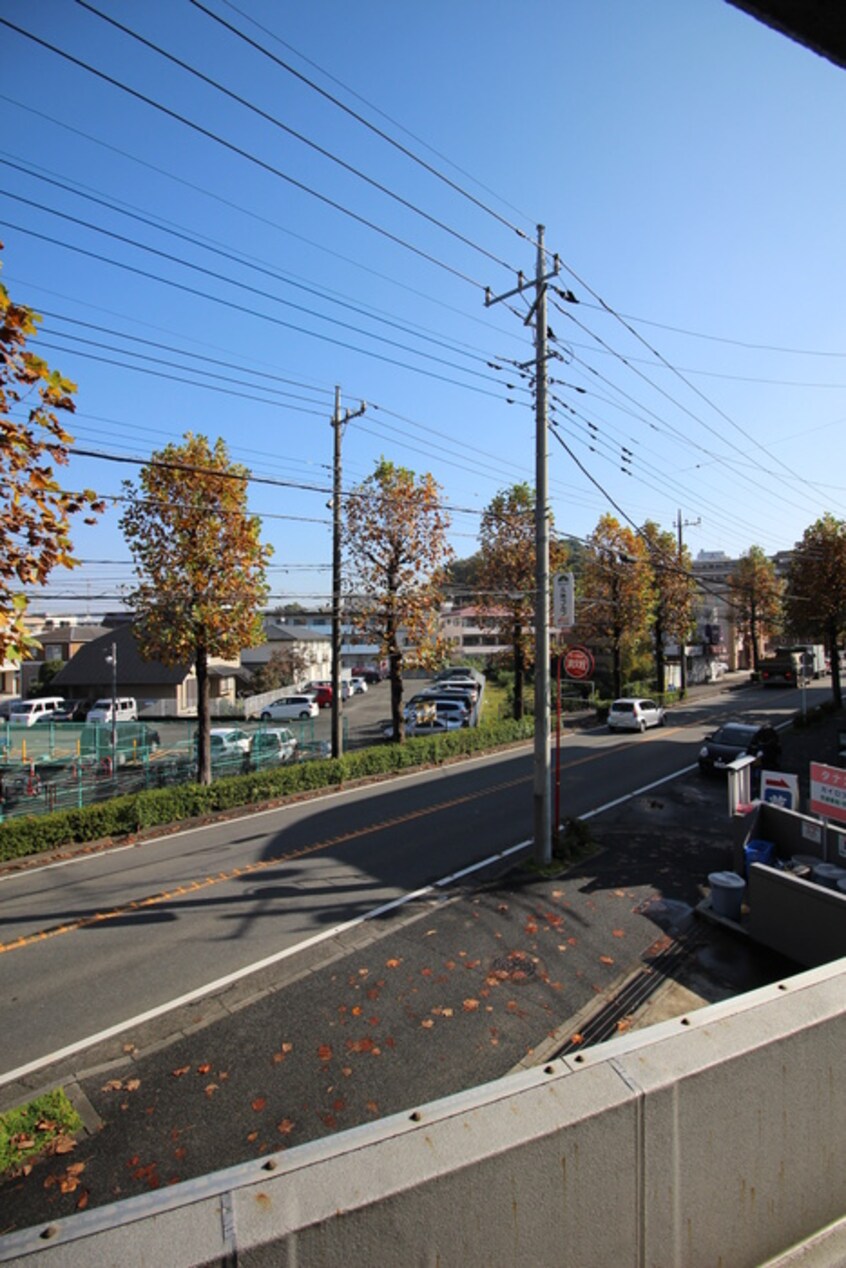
126 710
28 712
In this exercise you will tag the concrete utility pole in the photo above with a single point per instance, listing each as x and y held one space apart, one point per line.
337 424
542 791
680 524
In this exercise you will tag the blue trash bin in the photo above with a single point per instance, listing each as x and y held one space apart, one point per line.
758 852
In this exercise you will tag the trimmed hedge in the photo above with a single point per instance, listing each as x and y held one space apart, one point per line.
157 807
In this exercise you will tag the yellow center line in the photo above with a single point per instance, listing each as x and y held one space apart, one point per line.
260 865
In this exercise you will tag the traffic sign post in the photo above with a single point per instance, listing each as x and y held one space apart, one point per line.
578 663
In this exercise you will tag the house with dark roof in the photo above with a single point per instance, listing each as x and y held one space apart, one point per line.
160 690
312 646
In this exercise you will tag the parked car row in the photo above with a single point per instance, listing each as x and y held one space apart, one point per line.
45 709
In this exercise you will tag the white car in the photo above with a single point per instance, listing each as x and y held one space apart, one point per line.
287 708
228 742
358 685
274 744
635 713
126 710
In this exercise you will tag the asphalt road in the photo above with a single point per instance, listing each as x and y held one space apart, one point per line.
91 943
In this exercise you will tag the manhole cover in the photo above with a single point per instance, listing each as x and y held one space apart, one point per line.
516 966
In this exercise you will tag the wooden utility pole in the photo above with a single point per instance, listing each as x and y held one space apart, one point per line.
338 422
542 791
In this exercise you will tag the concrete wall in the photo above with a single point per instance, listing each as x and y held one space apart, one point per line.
798 918
717 1138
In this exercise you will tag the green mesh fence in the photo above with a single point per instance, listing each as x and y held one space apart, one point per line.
66 765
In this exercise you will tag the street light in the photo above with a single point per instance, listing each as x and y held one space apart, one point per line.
111 659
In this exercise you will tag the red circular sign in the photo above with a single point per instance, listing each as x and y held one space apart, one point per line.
578 663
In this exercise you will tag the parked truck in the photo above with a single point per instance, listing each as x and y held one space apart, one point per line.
790 666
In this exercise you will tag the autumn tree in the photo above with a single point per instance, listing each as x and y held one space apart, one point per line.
815 598
396 555
506 575
35 512
755 593
199 562
673 593
615 586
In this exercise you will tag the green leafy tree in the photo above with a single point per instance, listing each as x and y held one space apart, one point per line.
506 575
283 666
616 593
200 564
673 593
397 553
35 512
47 671
815 598
755 592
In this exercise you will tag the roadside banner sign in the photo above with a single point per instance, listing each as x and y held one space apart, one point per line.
578 662
564 600
828 791
780 790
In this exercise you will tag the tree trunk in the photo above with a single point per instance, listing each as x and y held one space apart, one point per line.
617 668
753 630
204 771
395 671
517 642
660 674
834 657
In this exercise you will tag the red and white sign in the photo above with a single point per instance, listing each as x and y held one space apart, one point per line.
828 791
578 663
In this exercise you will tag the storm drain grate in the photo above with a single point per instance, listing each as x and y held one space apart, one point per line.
605 1023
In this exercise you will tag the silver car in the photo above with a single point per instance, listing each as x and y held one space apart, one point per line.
635 713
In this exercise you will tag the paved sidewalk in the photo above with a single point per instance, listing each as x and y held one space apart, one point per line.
453 992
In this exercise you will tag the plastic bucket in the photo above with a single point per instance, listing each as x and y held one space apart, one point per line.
828 874
727 890
758 852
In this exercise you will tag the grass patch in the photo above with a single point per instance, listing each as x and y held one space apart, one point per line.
45 1125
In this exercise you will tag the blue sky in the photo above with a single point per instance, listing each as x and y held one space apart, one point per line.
686 162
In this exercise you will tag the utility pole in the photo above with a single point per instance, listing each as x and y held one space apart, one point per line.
680 524
338 422
542 790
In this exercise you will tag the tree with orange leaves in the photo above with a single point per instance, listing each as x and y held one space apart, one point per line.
397 552
35 512
200 564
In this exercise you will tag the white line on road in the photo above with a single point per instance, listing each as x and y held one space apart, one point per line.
152 1013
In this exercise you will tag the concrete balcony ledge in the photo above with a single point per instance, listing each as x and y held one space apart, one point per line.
714 1137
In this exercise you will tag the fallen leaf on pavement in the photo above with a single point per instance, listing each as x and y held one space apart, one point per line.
132 1085
204 1068
605 959
258 1104
285 1126
210 1089
427 1023
82 1200
617 933
357 1010
113 1085
470 1005
63 1145
577 1039
372 1107
324 1052
183 1069
393 963
252 1136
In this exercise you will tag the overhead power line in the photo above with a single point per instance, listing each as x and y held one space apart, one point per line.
242 153
354 114
299 136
